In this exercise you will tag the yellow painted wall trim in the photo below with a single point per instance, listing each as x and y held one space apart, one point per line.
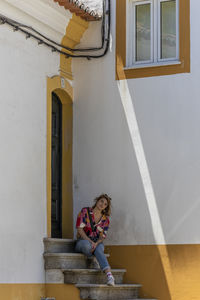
30 291
62 291
145 264
184 42
74 32
66 96
22 291
166 272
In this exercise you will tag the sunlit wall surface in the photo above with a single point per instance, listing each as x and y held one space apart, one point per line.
137 140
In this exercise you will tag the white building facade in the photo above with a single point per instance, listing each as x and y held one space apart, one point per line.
135 136
137 140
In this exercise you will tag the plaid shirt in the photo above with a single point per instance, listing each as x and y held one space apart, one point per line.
100 229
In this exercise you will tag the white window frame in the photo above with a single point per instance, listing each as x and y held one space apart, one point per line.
155 35
134 4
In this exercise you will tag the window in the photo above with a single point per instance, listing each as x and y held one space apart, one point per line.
152 38
152 32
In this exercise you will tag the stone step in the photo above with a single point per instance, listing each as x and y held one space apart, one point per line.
82 276
54 276
58 245
70 261
102 291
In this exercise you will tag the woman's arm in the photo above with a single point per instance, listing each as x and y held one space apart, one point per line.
84 236
100 240
103 231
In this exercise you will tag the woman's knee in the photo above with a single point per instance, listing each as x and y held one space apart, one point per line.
84 246
100 248
87 246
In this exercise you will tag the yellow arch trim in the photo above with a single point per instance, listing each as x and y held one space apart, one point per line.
74 32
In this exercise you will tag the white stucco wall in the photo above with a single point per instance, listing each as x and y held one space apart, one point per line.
24 67
155 188
45 16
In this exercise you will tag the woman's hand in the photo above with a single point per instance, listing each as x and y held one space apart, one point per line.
94 245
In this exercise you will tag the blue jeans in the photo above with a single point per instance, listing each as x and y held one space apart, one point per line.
85 247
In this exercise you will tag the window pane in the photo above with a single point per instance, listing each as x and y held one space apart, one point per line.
168 29
143 34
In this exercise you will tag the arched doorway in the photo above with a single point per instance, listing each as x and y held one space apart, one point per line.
59 159
56 168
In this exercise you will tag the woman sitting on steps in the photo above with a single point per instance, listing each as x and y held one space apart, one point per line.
92 225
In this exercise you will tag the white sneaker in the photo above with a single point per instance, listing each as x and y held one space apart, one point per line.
111 281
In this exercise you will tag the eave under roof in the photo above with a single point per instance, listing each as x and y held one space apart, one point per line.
80 9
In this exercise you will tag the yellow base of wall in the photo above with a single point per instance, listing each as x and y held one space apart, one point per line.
37 291
22 291
62 291
170 272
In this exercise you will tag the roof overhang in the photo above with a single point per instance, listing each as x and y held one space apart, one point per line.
86 9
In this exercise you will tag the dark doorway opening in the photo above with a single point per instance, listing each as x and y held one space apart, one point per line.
56 168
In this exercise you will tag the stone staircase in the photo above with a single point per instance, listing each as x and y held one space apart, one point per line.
63 265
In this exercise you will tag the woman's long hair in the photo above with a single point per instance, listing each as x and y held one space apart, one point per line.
107 210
